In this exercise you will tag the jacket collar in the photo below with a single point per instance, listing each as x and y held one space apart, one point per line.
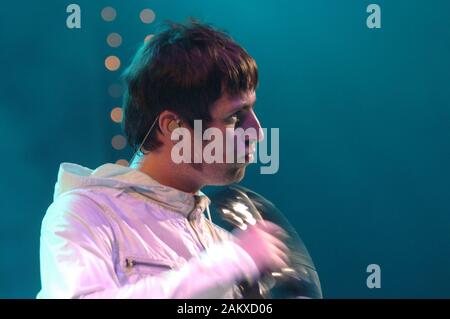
131 180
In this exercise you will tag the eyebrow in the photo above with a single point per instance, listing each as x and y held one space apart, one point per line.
240 106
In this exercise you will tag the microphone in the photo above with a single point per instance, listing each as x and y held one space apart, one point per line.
237 206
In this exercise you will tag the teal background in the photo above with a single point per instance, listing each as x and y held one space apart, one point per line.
363 117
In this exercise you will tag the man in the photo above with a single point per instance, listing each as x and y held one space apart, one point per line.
140 231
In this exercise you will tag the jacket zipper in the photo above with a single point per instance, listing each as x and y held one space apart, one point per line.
130 263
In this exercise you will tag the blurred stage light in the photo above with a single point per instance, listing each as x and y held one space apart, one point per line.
116 114
148 37
109 14
147 16
118 142
122 162
115 90
114 40
112 63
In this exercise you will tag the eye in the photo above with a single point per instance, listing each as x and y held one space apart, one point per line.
234 119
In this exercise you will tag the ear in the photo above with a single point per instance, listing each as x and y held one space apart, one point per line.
168 121
174 124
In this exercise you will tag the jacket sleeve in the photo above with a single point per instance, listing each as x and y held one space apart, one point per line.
77 261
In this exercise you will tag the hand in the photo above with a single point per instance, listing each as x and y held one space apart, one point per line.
262 242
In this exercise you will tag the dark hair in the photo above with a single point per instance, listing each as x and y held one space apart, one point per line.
184 69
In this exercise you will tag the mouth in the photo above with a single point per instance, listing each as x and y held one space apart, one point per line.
249 153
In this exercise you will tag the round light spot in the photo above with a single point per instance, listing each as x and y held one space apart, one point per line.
116 114
122 162
112 63
147 16
114 40
118 142
108 14
148 37
115 90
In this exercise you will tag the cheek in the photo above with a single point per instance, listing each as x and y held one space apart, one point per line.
225 140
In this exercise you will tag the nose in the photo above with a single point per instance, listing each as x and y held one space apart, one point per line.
253 122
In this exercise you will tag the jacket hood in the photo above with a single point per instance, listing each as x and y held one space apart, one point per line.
73 176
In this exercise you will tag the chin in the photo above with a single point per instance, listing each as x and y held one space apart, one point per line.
229 176
235 175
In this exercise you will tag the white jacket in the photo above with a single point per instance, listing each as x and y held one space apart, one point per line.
117 233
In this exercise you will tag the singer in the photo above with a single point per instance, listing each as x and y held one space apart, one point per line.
145 231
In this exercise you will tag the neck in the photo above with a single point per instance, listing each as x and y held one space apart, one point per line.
164 171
